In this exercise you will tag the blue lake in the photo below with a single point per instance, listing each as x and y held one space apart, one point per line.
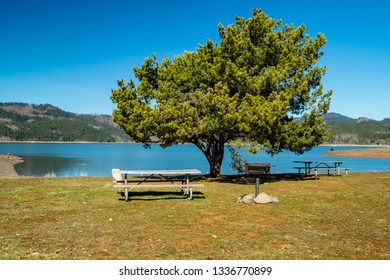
42 159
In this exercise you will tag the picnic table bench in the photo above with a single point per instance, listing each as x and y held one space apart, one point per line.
257 168
331 167
154 179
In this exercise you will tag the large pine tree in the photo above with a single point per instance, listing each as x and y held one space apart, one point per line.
260 86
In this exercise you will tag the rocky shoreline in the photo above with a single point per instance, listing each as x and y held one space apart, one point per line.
7 163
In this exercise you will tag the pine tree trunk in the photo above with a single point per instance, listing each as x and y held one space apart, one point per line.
214 153
215 169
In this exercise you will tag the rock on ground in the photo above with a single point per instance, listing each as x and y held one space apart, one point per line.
248 198
263 198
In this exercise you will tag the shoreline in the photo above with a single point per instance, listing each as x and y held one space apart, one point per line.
381 152
131 142
63 142
7 163
355 145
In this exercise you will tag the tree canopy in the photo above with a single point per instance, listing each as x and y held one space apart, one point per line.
259 85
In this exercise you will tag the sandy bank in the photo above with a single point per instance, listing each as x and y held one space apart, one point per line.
7 163
368 153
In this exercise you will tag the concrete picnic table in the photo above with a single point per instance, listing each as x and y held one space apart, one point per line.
121 179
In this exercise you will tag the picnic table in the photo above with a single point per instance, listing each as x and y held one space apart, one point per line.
306 166
309 166
146 177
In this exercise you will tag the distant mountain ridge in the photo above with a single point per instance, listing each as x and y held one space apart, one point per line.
337 118
361 131
45 122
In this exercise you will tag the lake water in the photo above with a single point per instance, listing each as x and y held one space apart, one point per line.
43 159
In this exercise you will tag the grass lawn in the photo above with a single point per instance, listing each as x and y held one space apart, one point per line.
334 217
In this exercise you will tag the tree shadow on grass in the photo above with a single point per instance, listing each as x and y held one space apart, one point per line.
160 195
243 179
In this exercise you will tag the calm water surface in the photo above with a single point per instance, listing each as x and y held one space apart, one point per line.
42 159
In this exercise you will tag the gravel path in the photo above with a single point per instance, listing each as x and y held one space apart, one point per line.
7 163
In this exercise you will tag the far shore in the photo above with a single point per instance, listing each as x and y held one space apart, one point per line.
362 153
64 142
132 142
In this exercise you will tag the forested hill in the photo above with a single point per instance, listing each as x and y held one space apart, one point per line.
25 122
361 131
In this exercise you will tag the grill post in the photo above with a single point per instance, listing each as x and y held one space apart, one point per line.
257 169
257 192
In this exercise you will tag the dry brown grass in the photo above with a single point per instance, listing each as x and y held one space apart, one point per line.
365 153
82 218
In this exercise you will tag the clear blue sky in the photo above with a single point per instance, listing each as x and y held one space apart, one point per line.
70 53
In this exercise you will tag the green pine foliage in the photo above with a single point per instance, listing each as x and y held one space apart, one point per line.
259 85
